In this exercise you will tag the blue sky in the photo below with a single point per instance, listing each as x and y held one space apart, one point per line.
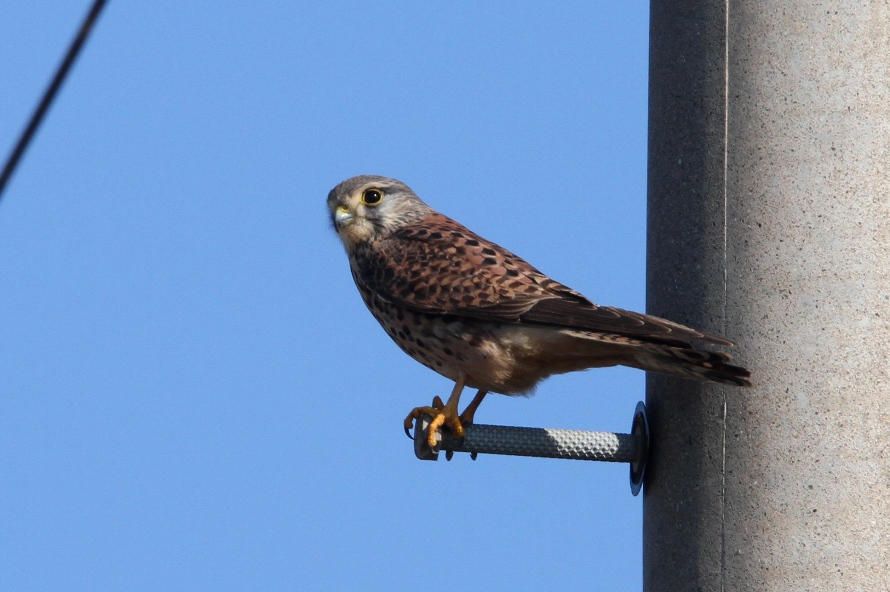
192 394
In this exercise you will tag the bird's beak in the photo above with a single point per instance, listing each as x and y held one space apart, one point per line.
342 217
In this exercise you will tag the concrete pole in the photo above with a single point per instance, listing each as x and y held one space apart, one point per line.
769 223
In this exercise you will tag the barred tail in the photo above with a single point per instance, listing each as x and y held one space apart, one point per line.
691 363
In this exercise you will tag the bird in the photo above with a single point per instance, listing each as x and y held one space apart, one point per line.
483 317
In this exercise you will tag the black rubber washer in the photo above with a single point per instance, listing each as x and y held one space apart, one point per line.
639 429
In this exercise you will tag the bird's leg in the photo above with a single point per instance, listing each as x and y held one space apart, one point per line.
467 416
449 415
442 414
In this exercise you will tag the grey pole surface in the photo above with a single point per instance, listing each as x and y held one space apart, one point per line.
769 223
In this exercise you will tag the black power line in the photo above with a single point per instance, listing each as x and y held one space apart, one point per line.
50 93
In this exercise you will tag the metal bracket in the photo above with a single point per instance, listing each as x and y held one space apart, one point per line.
631 448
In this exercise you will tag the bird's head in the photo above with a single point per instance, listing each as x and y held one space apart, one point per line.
369 207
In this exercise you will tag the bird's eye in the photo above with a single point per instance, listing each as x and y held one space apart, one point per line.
371 197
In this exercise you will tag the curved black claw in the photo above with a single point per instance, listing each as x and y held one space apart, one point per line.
473 455
449 454
408 433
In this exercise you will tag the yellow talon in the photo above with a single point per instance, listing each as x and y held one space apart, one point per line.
437 423
446 414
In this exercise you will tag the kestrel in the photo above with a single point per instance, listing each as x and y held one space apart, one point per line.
481 316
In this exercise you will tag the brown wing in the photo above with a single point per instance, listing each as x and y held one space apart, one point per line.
438 266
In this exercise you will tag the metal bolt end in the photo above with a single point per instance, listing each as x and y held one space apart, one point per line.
422 449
